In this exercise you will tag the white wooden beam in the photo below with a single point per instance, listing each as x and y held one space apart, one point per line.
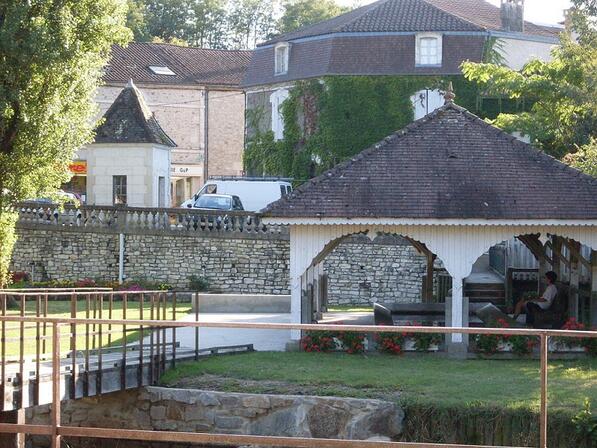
573 296
594 288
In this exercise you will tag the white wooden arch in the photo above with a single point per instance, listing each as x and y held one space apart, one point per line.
458 246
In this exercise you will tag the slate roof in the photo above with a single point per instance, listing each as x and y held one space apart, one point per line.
129 120
415 16
191 65
449 164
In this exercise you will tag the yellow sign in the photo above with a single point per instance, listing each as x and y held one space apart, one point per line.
78 167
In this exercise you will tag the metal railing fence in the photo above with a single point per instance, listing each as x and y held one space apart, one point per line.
56 431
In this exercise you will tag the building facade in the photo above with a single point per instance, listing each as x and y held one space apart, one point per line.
195 95
129 163
393 37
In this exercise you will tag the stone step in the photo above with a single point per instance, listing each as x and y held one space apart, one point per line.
484 293
485 286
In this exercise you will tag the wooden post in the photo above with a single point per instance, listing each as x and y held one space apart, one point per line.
428 297
573 296
56 396
594 288
16 440
543 268
556 255
543 417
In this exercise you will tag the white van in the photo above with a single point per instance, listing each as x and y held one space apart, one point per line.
255 193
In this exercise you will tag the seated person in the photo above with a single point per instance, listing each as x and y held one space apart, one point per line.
531 307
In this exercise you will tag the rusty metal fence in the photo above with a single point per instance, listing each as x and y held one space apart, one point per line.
66 327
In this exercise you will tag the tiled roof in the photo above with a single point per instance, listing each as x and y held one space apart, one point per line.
129 120
415 16
362 55
192 66
449 164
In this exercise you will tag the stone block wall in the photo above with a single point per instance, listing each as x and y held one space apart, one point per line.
156 408
360 271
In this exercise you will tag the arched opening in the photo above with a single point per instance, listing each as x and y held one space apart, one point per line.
515 269
361 269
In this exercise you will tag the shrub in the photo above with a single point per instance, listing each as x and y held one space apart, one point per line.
423 341
589 344
352 341
585 422
197 283
318 341
520 344
392 343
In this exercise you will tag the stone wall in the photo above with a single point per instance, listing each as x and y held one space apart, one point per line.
360 271
155 408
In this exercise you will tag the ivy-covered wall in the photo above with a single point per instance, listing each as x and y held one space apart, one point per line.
329 120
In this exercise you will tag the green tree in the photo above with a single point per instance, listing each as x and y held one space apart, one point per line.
168 19
52 54
299 13
135 20
209 28
250 21
563 92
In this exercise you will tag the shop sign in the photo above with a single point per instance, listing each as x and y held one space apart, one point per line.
78 167
186 170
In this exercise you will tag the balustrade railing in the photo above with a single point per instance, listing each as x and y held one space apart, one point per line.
131 219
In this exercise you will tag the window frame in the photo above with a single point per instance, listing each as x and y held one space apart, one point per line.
119 186
279 71
276 99
420 38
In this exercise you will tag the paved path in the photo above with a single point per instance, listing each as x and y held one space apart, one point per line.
262 340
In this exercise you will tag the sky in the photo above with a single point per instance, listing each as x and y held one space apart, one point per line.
537 11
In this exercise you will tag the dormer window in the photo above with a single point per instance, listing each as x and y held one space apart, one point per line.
281 52
428 50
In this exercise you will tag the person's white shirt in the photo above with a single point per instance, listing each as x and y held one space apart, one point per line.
549 295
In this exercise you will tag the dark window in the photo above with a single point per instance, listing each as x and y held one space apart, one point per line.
118 190
283 190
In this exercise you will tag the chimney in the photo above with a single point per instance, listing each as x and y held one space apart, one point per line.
512 13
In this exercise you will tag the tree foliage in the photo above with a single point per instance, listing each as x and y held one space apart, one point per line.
52 53
299 13
563 91
223 24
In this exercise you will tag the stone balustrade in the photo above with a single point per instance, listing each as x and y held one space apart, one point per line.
141 220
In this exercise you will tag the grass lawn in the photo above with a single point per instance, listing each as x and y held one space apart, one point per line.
421 378
62 309
350 309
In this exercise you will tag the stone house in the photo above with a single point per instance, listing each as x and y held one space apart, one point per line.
195 95
393 37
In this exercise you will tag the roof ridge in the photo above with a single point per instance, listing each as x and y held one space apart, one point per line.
366 8
458 16
377 5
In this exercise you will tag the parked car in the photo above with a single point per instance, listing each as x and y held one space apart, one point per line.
226 202
255 193
216 202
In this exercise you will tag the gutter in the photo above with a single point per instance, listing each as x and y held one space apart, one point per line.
206 135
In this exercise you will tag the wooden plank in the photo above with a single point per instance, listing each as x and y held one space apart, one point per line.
56 396
123 365
594 288
573 295
73 347
543 415
4 299
141 335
